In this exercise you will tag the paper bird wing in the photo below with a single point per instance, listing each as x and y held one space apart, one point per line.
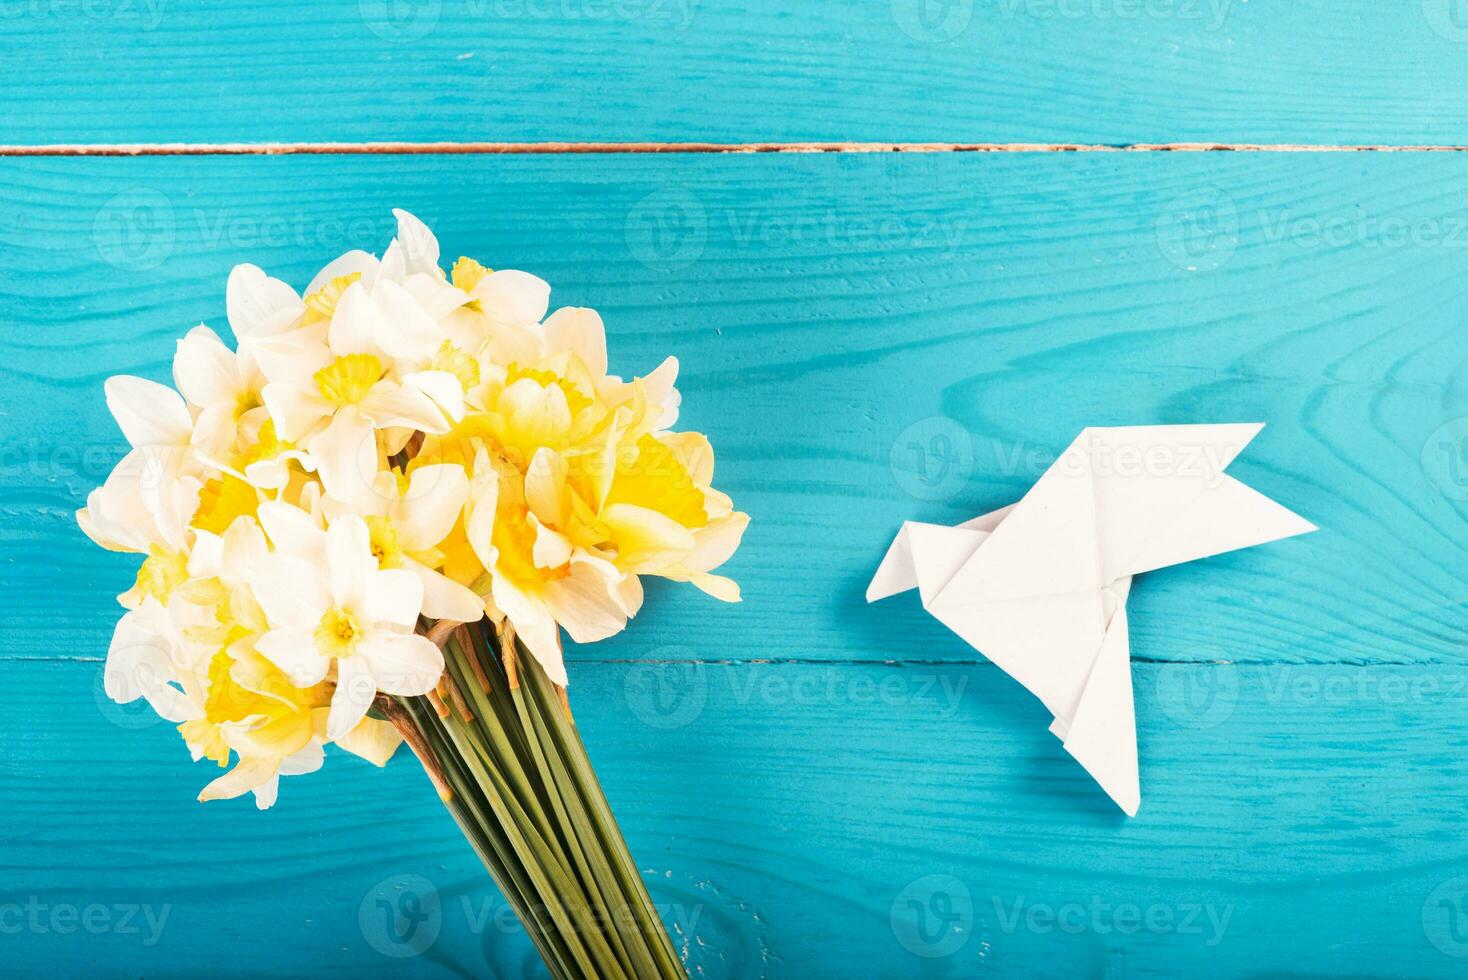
925 556
1162 497
1102 735
1031 597
1046 642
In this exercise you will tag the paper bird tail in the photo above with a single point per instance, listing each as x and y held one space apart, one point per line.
1102 736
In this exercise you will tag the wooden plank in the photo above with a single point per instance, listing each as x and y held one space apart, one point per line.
804 821
836 317
1113 71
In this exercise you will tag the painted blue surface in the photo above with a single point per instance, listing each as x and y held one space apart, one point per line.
1114 71
817 788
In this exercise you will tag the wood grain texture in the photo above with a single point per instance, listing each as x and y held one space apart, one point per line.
866 340
1297 821
1113 71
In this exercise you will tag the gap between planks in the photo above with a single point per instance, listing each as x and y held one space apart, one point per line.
858 662
552 147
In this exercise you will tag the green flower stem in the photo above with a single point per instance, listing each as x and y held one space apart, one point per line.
522 790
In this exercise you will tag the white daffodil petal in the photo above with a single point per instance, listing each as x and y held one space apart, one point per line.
296 410
428 510
206 559
551 549
215 432
356 323
140 665
584 603
439 299
346 456
294 651
393 596
257 305
629 595
172 504
305 761
149 414
88 524
350 564
513 296
535 626
115 516
292 530
267 793
247 775
292 356
244 545
394 265
441 386
275 474
356 262
405 664
373 740
721 588
389 403
479 512
443 598
355 689
660 391
203 368
407 331
291 590
545 482
420 247
579 331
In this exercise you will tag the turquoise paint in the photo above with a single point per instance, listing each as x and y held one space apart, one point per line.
1281 830
1300 706
1114 71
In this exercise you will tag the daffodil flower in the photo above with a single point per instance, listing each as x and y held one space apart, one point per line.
345 612
149 498
342 385
499 312
407 521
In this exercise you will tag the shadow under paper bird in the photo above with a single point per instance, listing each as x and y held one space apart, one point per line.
1040 586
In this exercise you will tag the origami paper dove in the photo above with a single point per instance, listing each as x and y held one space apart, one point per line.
1040 586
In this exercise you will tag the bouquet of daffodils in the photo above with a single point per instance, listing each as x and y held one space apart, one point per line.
369 523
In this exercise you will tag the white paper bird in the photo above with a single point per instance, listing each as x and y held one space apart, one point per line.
1040 586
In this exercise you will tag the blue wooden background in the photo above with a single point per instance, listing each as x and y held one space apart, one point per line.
815 788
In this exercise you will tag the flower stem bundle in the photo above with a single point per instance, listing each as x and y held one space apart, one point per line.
505 754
